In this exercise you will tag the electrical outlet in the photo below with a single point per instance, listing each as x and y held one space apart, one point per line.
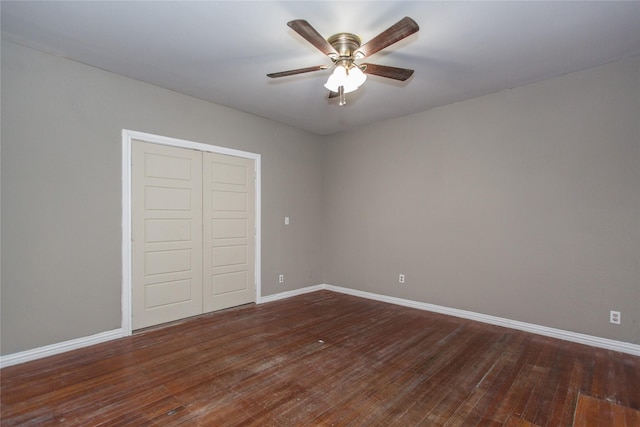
281 278
614 317
401 278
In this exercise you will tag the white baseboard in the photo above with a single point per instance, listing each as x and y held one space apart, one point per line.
292 293
621 346
590 340
50 350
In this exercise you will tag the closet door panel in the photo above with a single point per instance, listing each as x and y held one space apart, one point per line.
229 233
167 233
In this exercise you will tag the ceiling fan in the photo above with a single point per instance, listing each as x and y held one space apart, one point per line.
344 49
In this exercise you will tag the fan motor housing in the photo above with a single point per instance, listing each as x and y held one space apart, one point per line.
346 44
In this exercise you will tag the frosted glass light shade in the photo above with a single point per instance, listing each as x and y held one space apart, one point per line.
337 78
350 80
356 76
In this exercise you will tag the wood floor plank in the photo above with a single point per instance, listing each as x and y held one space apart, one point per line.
544 385
594 412
630 379
552 413
514 390
517 422
325 359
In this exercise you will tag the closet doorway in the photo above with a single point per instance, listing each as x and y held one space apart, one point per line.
193 228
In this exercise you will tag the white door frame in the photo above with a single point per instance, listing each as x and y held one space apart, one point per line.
127 138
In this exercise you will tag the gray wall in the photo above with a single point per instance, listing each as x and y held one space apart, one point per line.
523 204
61 191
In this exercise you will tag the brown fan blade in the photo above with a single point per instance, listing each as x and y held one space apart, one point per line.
298 71
401 29
395 73
310 34
333 94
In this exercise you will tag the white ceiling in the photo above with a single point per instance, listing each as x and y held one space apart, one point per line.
221 51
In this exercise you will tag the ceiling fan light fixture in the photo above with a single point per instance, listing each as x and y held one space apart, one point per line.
350 79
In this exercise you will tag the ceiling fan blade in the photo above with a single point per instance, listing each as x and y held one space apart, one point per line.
333 94
395 73
297 71
310 34
401 29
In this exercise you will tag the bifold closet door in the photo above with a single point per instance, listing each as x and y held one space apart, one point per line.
193 229
167 233
229 231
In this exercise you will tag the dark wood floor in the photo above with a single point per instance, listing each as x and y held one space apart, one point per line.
326 359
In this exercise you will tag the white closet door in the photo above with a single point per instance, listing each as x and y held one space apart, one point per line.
167 233
229 231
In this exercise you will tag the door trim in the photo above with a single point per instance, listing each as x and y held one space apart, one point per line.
127 138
